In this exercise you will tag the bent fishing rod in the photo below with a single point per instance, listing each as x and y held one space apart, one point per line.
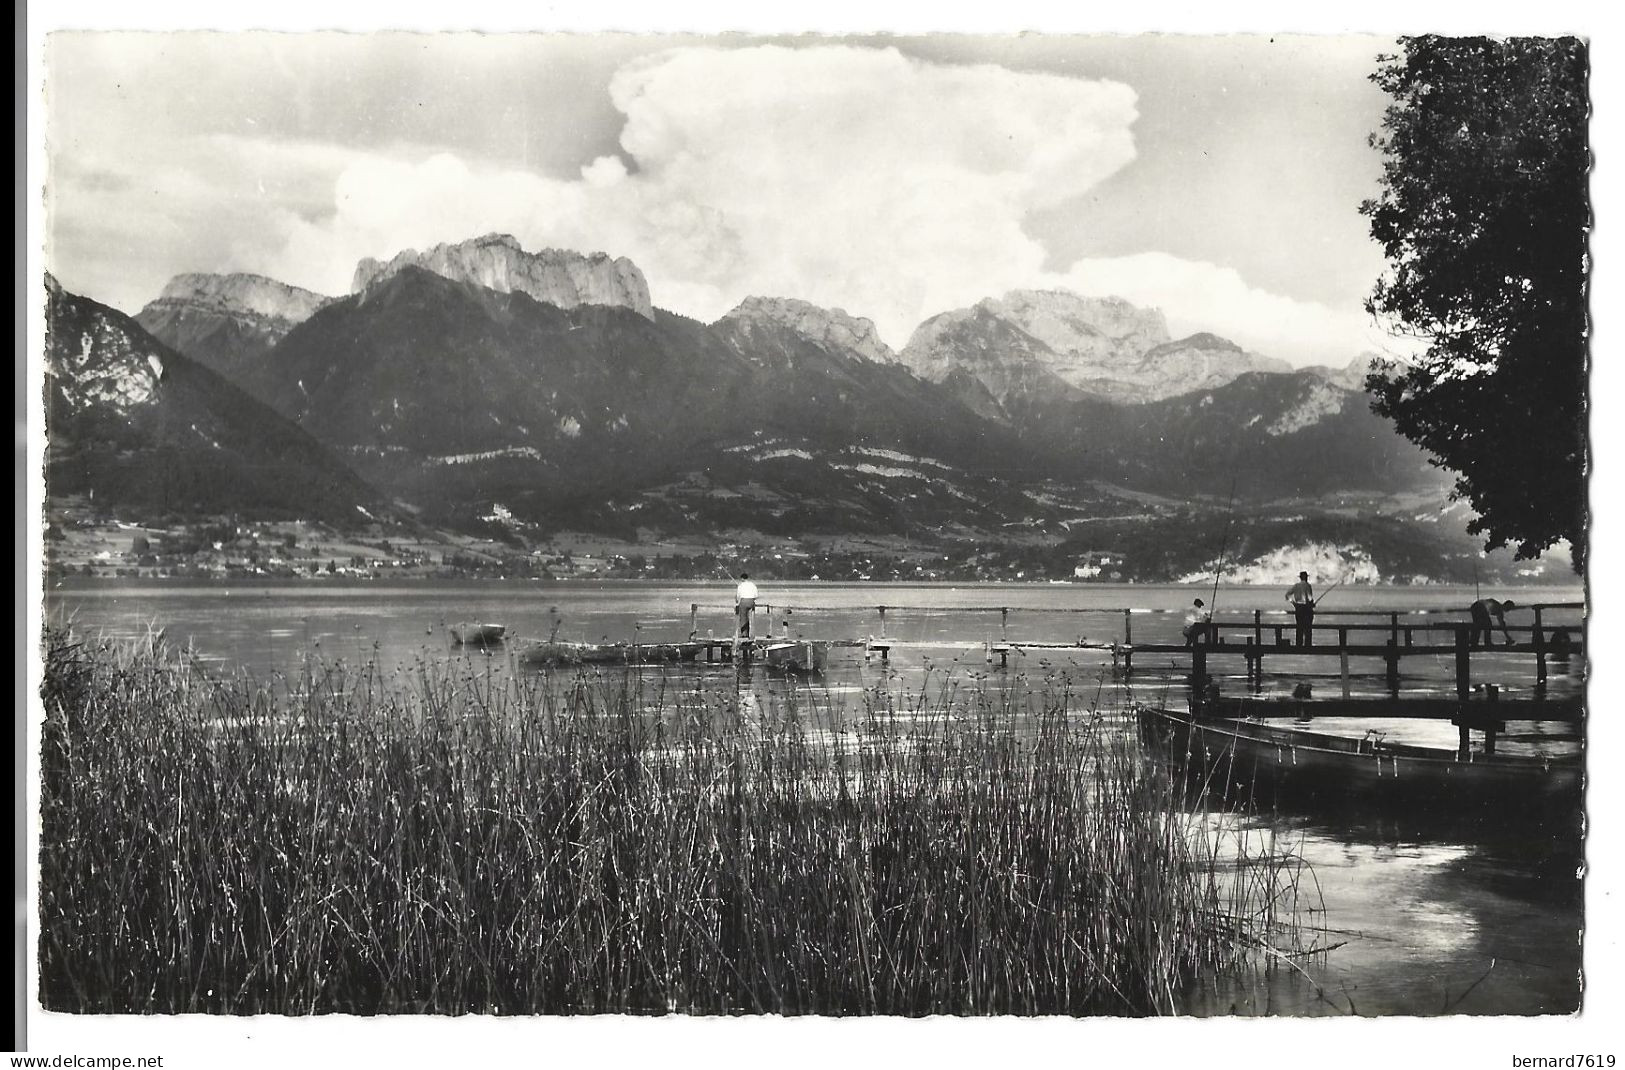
1316 601
1224 544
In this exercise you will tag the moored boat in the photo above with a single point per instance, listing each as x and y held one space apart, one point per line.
1265 761
558 652
802 656
476 634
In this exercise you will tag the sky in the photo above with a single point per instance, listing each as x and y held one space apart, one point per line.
1216 178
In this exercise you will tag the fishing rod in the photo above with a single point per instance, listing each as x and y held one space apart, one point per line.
1316 601
1224 542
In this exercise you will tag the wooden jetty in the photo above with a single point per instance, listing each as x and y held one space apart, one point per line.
1390 641
1472 708
1268 730
1257 639
1389 636
1349 636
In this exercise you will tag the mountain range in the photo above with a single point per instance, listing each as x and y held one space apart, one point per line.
476 375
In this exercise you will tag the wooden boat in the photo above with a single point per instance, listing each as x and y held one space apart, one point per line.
477 634
1267 761
801 656
559 652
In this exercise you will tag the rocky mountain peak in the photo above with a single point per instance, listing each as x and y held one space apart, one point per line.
1104 346
227 321
830 327
1070 323
242 292
96 357
557 277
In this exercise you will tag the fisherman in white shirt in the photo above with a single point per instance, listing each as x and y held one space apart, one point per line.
744 604
1302 597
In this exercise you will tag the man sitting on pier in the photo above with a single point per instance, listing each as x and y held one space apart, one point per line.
1197 619
1302 597
1482 610
1562 645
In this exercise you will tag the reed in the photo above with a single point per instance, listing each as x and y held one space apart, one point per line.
468 837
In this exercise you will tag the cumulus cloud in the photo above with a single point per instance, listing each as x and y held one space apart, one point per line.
850 176
857 178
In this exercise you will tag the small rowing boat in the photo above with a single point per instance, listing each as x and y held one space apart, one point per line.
559 652
1268 760
477 634
800 656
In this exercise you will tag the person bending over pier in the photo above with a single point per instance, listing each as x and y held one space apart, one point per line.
1482 610
1302 597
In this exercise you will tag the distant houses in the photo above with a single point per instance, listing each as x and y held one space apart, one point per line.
1099 565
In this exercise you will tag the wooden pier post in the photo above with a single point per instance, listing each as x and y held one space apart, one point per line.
1128 642
1254 670
1464 687
693 619
1391 658
1540 649
882 622
1198 674
1491 693
1004 637
1344 658
1464 671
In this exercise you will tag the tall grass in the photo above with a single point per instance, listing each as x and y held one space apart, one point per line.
451 838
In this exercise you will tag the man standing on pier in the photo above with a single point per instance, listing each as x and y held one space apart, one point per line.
744 605
1302 597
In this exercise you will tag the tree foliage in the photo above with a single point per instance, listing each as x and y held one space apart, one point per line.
1483 218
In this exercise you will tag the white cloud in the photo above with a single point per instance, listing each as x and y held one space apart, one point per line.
126 215
846 176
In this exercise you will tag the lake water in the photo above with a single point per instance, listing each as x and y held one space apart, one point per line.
1431 917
